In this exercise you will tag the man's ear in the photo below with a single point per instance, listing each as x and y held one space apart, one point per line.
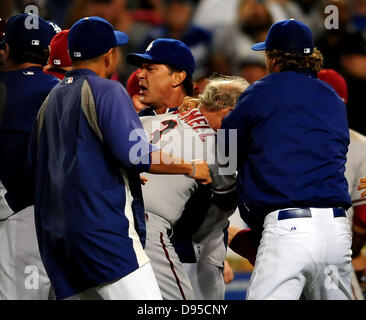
226 111
108 58
178 78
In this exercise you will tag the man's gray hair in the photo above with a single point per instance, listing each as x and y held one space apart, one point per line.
222 92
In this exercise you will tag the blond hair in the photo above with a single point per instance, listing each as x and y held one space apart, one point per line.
222 92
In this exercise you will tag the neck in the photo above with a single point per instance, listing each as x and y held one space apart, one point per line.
11 66
96 67
173 100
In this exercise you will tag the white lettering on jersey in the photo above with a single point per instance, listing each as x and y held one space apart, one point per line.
198 123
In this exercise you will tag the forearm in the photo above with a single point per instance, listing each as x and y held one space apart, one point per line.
162 163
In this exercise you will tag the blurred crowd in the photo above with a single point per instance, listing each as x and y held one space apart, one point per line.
220 33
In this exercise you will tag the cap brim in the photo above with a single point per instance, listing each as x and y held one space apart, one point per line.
137 59
121 37
259 46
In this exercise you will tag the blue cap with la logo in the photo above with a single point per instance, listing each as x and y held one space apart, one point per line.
166 51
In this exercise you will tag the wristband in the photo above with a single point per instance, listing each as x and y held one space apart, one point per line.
194 170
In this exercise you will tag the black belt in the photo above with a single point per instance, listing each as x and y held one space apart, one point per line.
306 213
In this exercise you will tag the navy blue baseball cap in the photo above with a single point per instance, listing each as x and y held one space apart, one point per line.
289 36
91 37
166 51
27 31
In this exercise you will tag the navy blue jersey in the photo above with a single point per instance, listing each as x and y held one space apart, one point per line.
22 93
88 204
293 138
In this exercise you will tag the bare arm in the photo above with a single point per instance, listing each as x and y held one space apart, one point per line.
162 163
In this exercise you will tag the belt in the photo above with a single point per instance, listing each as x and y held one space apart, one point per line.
306 213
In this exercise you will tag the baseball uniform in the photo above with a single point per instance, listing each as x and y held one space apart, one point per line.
183 135
22 91
25 91
84 169
200 236
355 168
292 153
176 136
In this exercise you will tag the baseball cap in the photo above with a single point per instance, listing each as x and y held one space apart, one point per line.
23 33
289 36
336 81
166 51
90 37
133 86
59 56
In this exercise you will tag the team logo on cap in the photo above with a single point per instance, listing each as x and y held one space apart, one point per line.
56 62
77 54
35 42
307 50
150 46
55 27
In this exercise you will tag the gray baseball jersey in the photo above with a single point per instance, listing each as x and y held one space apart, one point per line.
355 169
187 136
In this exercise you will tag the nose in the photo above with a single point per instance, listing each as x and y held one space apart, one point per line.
140 74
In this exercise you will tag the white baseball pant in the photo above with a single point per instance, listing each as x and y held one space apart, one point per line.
138 285
308 257
22 275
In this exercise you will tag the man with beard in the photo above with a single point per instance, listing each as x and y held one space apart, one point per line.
231 45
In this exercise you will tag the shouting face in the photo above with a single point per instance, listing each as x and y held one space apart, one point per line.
156 82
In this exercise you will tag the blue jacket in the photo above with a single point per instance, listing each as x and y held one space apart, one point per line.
293 138
89 211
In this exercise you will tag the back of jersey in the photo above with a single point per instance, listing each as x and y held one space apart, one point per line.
187 136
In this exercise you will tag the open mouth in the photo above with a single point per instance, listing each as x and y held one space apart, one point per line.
142 89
